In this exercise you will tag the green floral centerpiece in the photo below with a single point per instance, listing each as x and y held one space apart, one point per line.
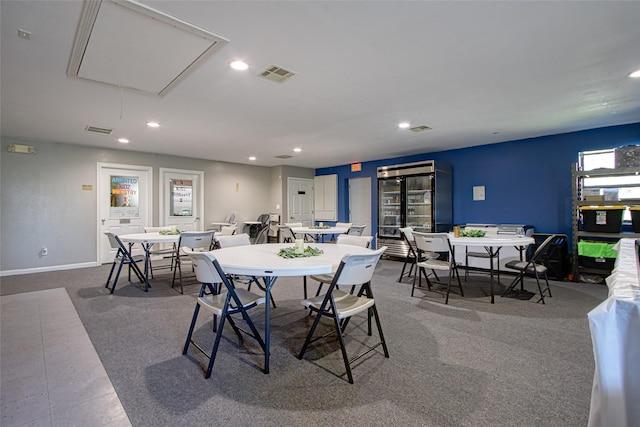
473 233
171 232
293 253
319 227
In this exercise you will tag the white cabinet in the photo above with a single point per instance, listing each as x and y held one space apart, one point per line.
326 197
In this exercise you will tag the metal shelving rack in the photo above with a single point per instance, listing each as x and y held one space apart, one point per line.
577 188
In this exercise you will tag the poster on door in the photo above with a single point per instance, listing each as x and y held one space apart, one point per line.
124 197
181 197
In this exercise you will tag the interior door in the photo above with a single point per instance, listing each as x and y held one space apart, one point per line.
182 199
300 201
124 203
360 203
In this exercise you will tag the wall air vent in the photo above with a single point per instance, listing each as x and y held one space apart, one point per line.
283 156
277 74
420 128
96 129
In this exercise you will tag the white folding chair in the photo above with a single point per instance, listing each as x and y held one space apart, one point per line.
353 270
356 230
160 251
222 303
441 259
122 257
241 240
343 239
194 240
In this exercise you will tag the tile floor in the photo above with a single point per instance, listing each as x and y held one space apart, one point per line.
50 374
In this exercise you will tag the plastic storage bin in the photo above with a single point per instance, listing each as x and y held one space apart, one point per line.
600 255
604 219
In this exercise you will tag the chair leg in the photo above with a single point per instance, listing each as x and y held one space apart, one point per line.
379 325
446 300
343 348
115 280
113 266
193 324
216 344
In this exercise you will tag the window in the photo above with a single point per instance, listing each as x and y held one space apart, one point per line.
612 188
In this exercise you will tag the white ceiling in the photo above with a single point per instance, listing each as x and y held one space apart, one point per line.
476 72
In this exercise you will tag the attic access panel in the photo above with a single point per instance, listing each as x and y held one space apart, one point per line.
126 44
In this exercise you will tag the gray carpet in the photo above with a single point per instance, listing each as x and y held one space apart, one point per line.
470 363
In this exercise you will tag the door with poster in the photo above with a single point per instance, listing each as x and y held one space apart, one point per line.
181 199
124 193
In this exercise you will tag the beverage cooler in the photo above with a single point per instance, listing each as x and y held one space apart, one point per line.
416 195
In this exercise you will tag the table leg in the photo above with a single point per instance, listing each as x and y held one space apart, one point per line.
269 281
491 255
147 249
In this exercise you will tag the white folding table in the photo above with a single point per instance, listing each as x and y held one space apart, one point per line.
264 261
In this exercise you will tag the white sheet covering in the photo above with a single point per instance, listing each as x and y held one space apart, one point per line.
615 334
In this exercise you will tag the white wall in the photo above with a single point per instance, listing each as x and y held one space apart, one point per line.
42 202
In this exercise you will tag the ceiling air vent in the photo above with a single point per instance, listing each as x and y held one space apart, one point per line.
283 156
277 74
420 128
96 129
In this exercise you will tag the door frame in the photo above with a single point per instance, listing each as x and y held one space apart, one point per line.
163 196
99 189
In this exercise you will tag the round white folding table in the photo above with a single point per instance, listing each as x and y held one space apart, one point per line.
147 240
319 232
492 244
264 261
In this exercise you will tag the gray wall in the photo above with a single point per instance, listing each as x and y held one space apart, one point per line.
42 202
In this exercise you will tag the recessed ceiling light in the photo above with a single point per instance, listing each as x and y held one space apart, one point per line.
297 150
252 158
635 74
404 125
153 124
123 140
239 65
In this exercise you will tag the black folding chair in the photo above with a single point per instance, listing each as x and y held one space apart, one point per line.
533 267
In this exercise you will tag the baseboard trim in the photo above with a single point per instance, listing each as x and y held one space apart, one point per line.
46 269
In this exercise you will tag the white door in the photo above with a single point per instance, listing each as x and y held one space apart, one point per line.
124 203
360 203
182 199
300 201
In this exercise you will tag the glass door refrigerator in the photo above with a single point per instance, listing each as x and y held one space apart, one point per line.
416 195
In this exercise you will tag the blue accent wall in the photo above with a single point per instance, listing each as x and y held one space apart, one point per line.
526 181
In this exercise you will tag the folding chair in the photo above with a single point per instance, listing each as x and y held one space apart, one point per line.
480 254
287 234
194 240
160 250
534 267
412 256
242 240
435 244
343 239
123 257
221 303
341 306
356 230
